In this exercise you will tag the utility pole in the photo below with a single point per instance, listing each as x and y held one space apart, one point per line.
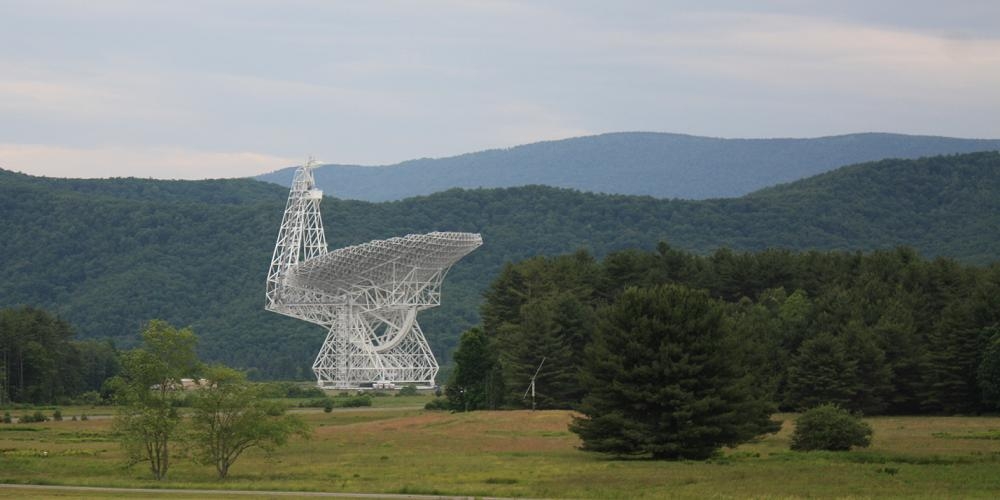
531 386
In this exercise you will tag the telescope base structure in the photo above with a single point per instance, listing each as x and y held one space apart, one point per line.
366 296
355 356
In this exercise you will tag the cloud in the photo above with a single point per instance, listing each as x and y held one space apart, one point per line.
195 87
154 162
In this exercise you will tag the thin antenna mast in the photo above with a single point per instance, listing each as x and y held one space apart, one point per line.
531 386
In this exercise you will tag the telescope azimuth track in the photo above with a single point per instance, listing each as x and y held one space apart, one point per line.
366 296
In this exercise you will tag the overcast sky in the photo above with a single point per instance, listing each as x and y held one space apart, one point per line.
196 89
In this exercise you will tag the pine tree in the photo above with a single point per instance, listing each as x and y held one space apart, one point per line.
821 372
537 336
661 382
475 382
873 375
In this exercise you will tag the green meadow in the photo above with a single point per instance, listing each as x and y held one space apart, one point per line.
397 447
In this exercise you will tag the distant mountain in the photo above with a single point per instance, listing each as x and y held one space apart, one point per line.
637 163
108 255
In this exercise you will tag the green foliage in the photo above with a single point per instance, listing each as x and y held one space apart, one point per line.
437 404
57 415
821 372
32 418
147 389
660 381
290 390
407 390
108 254
829 427
316 403
354 402
884 332
475 383
6 417
41 363
230 416
988 374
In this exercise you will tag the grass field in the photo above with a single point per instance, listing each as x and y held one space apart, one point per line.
395 447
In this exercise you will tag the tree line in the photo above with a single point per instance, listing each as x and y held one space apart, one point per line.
224 415
42 362
106 255
885 332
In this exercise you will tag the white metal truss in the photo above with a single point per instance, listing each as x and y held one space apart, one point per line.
366 296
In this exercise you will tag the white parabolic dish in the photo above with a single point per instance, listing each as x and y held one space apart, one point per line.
367 296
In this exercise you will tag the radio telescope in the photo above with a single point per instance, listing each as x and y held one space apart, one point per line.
366 296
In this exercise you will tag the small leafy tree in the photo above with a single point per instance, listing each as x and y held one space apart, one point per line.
147 389
230 417
829 427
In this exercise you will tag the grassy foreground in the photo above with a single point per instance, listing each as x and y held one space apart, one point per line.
521 453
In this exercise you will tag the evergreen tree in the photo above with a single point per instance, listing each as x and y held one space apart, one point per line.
475 382
660 379
905 356
538 336
821 372
988 374
955 347
872 373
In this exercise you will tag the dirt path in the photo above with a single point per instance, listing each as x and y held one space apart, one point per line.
290 410
35 490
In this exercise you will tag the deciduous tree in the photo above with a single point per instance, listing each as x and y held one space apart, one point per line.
231 416
146 390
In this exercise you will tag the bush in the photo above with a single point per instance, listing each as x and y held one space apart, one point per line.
355 402
409 390
57 416
829 427
35 417
92 398
316 403
328 407
6 417
437 404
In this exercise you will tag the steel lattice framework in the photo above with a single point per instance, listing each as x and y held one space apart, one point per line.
367 296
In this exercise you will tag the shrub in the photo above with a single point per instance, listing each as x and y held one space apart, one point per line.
829 427
6 417
316 403
409 390
328 407
92 398
437 404
57 416
355 402
35 417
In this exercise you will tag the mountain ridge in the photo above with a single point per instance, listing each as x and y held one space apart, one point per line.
197 254
663 165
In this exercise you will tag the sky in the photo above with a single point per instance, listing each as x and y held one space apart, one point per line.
206 89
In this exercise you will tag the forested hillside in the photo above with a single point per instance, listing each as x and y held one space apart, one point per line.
882 332
637 163
109 255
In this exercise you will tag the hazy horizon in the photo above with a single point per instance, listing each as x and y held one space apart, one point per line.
239 88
